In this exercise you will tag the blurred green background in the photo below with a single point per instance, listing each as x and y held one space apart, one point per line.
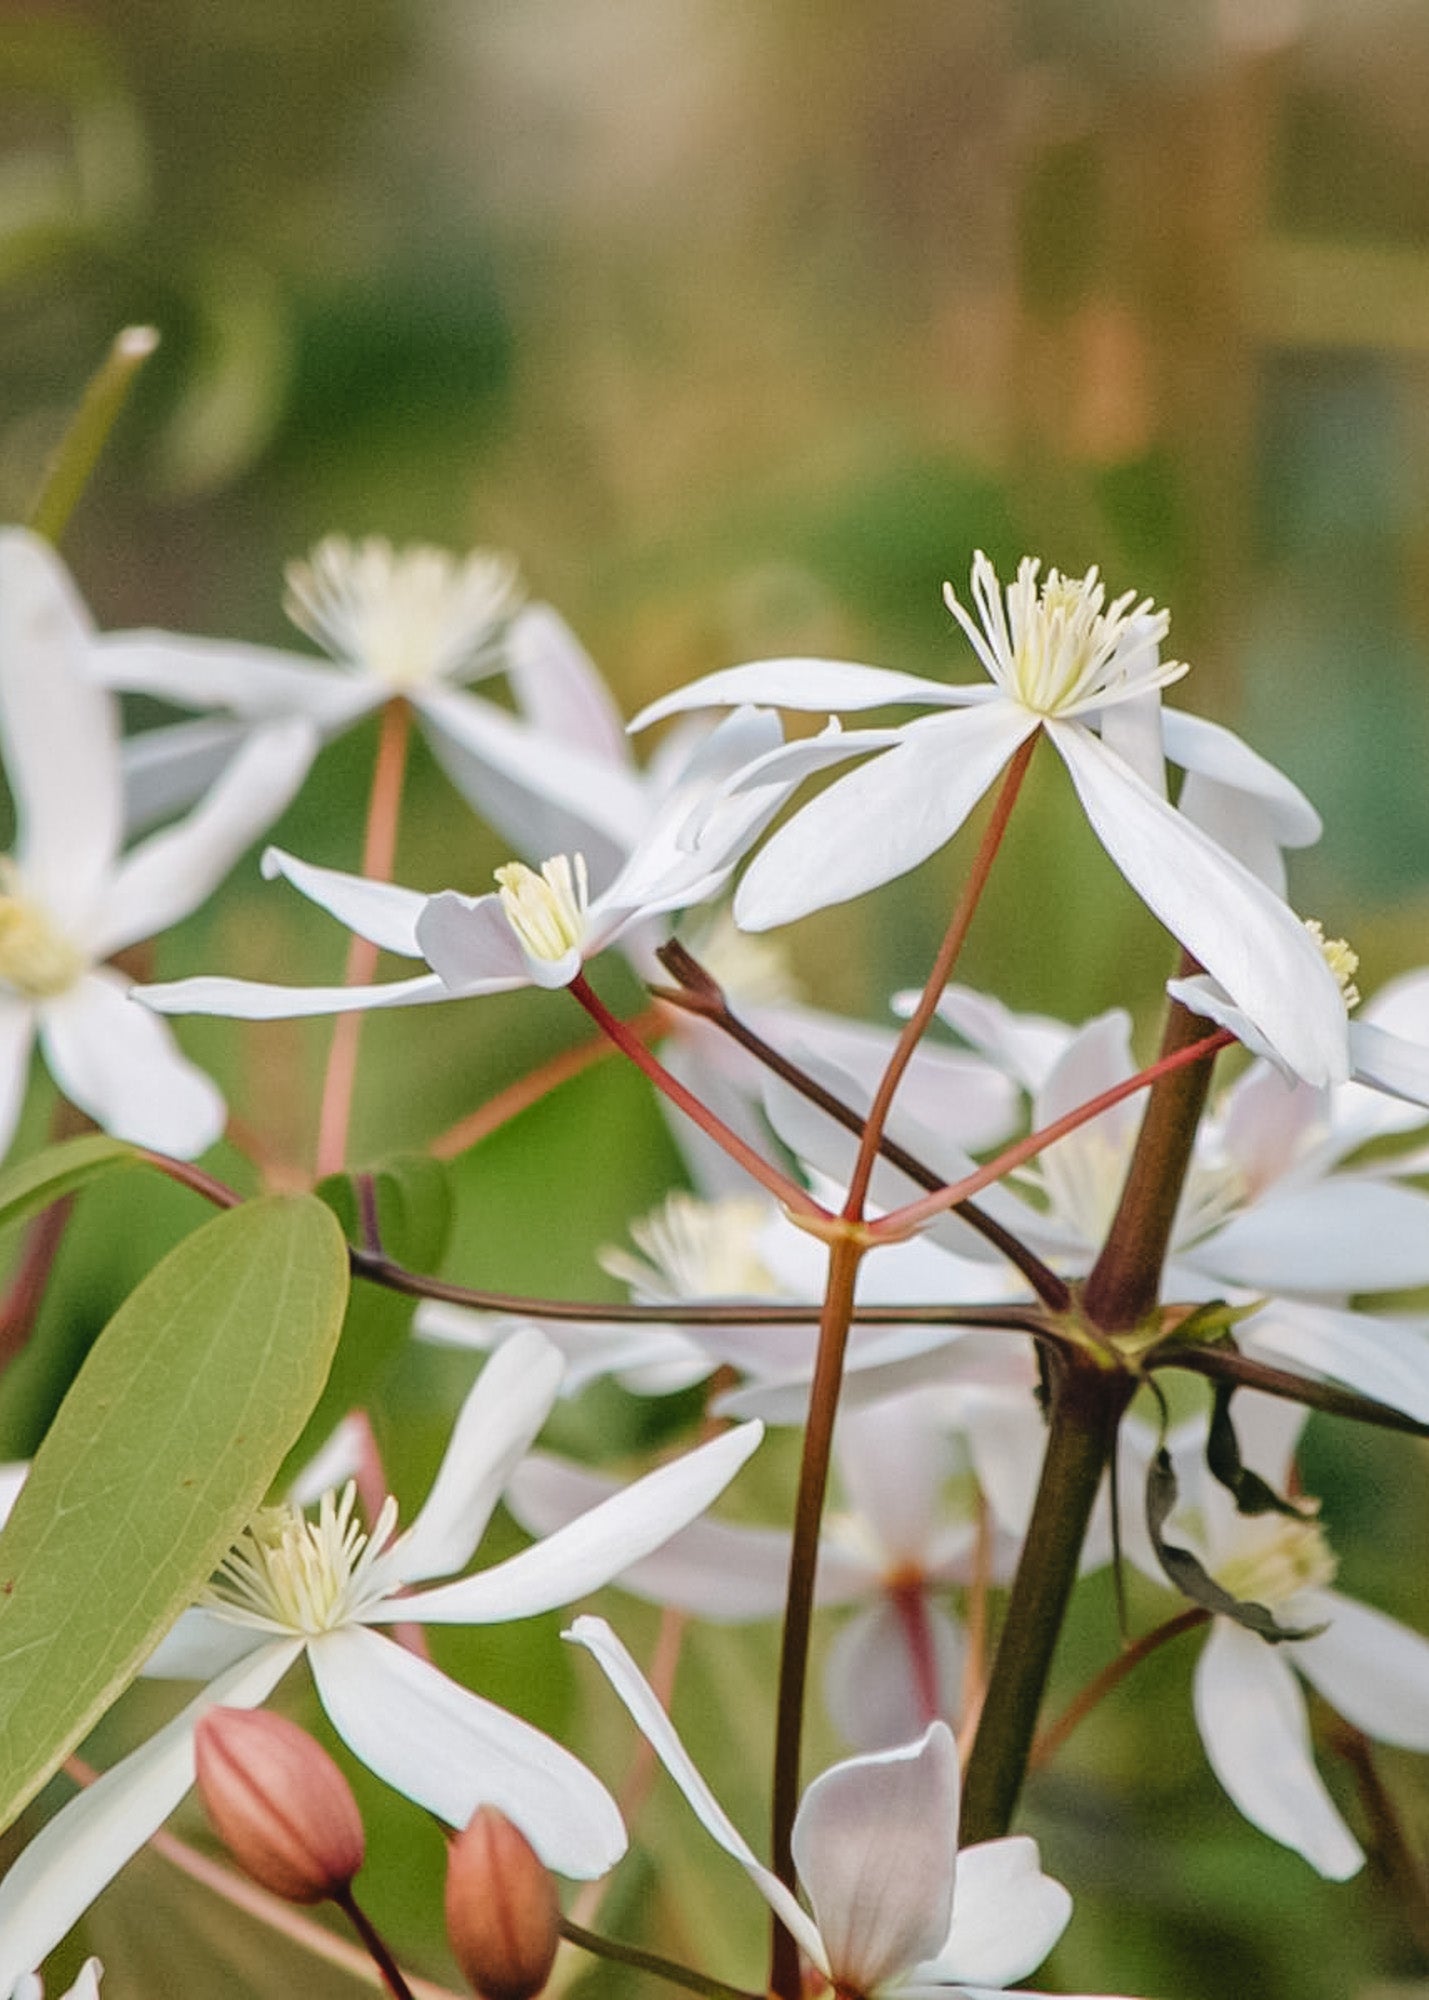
743 324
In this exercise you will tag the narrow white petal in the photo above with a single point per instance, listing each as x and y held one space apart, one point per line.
1374 1670
875 1844
871 1687
513 1396
251 1000
884 818
1380 1357
1217 754
126 1070
1007 1915
655 1726
383 912
1246 938
60 733
559 688
451 1752
17 1036
257 682
172 872
84 1846
1388 1062
469 941
201 1646
894 1463
166 769
595 1548
1251 1715
1238 822
1132 729
1347 1234
802 684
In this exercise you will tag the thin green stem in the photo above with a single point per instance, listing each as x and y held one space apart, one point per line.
76 455
1110 1679
845 1255
938 977
650 1961
1087 1405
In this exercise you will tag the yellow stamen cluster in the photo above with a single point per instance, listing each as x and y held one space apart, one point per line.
409 616
1275 1558
546 911
1341 959
695 1249
289 1574
36 958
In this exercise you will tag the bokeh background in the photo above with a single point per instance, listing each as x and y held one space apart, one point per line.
744 322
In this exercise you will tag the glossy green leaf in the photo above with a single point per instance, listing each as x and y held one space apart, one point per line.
160 1453
59 1170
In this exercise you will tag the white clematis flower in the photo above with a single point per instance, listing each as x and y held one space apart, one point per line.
536 929
69 898
1250 1710
1089 677
896 1909
293 1587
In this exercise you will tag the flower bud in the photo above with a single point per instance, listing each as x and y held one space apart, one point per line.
279 1803
503 1919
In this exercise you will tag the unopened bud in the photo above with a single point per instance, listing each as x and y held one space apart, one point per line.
503 1919
279 1803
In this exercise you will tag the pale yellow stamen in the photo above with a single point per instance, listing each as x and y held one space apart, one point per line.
546 911
1341 959
409 616
36 958
1276 1558
290 1574
695 1249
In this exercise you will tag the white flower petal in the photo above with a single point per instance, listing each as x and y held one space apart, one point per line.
1007 1915
166 769
1246 938
1217 754
84 1846
1341 1235
655 1726
593 1549
451 1751
252 1000
801 684
894 1460
884 818
1374 1670
172 872
17 1036
1388 1062
470 942
257 682
1251 1715
875 1843
383 912
60 734
126 1070
513 1396
871 1689
1380 1357
201 1645
559 688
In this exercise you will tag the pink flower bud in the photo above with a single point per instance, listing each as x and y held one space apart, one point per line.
503 1919
279 1803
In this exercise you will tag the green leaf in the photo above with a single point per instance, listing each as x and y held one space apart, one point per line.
59 1170
158 1457
410 1200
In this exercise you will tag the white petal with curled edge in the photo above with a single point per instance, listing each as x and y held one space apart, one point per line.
126 1070
1219 755
595 1548
60 734
1374 1670
17 1035
875 1843
1342 1235
172 872
803 684
1389 1062
1007 1915
470 942
258 682
84 1847
252 1000
1251 1715
884 818
383 912
451 1751
501 1416
559 688
659 1732
1377 1356
1245 937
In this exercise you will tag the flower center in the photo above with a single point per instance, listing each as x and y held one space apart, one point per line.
1058 647
36 958
695 1249
1275 1558
290 1574
409 617
546 911
1342 961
